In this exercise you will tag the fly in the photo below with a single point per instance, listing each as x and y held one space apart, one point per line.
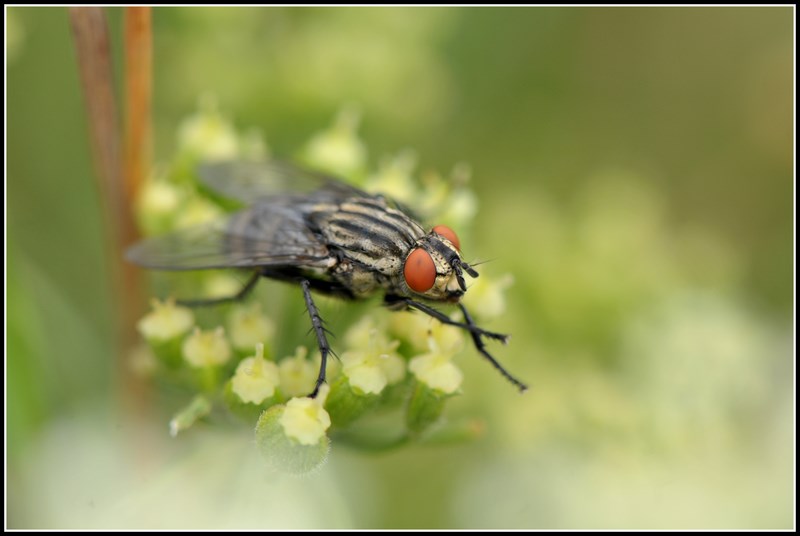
327 236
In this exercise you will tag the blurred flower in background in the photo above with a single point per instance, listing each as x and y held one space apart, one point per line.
630 199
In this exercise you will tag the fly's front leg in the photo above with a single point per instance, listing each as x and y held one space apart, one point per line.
468 325
444 319
476 339
319 330
246 289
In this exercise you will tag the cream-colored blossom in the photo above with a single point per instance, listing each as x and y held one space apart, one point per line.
166 321
248 326
444 338
395 177
459 209
411 327
297 373
197 211
425 333
157 204
338 149
219 284
486 295
437 371
206 348
255 378
208 133
435 368
372 361
305 419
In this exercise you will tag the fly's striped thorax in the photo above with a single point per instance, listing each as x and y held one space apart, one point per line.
368 232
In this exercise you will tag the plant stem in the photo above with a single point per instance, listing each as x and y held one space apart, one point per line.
93 47
138 93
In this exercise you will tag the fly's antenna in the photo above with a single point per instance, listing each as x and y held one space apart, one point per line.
459 267
467 268
473 264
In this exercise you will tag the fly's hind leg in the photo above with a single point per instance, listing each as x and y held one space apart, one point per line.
319 330
246 289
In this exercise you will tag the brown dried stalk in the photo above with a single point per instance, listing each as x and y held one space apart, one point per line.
138 92
116 182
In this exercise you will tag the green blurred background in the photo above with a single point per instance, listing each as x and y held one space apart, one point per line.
635 174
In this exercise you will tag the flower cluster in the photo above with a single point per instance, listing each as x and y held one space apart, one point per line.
391 364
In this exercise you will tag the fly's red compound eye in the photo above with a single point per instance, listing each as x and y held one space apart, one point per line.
419 270
448 233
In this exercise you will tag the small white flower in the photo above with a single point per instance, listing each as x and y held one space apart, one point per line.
370 372
435 368
217 284
373 362
199 407
297 373
206 348
208 133
425 333
338 149
412 328
166 321
445 339
248 326
459 209
437 371
486 295
197 211
255 378
395 179
157 205
305 419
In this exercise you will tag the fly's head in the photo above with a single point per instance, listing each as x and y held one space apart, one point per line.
434 269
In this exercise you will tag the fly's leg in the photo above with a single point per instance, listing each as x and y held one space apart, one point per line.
444 319
468 325
319 330
246 289
476 338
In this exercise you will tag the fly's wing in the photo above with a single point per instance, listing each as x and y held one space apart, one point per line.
251 181
267 234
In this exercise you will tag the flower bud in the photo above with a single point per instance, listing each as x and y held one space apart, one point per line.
486 296
164 327
157 205
198 408
292 437
206 348
305 419
207 133
437 371
297 373
255 378
219 284
197 211
395 177
373 361
248 327
338 149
